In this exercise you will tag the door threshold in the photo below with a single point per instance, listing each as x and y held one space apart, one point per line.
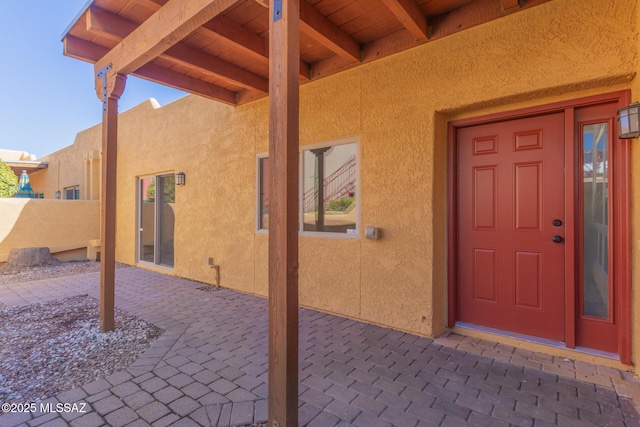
461 326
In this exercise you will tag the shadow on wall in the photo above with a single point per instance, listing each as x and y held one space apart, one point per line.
64 226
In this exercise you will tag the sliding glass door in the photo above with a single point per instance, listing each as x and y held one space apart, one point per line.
156 219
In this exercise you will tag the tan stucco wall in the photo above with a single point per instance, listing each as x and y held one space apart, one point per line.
399 107
58 224
69 167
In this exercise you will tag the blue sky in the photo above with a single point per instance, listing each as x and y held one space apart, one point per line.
45 97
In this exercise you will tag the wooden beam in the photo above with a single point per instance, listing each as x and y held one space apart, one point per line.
83 50
228 31
221 28
284 34
91 52
152 5
167 77
109 88
110 25
107 24
208 64
511 5
165 28
248 43
99 21
455 21
410 16
325 32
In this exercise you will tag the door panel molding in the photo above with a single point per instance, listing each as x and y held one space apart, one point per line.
514 210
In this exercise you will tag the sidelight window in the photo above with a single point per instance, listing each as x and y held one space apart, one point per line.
595 201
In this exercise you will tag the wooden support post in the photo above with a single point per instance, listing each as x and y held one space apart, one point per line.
109 88
284 64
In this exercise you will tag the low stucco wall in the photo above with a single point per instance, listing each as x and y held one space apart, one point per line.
60 225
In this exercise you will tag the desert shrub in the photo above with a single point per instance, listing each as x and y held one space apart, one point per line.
8 181
340 204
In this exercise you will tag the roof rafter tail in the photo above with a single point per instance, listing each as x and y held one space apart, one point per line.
78 48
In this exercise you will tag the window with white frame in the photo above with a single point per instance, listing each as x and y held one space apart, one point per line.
72 193
329 188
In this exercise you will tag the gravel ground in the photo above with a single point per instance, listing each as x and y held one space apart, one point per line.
55 346
47 348
10 274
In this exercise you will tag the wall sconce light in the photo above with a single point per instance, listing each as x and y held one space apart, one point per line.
58 194
180 178
629 121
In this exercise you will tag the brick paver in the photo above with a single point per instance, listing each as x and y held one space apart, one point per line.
209 368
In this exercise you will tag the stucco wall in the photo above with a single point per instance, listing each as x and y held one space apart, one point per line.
69 167
53 223
399 107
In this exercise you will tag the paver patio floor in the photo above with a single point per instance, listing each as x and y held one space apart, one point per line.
209 368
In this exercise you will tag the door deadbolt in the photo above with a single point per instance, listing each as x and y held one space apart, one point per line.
557 223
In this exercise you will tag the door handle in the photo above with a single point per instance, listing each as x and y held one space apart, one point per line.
557 239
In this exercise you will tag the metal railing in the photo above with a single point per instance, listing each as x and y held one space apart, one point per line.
339 184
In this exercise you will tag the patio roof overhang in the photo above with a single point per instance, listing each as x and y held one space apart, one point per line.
222 51
237 51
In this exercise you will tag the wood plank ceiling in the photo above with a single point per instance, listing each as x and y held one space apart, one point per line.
227 58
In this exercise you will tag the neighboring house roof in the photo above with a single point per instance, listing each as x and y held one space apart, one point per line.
15 155
21 160
23 165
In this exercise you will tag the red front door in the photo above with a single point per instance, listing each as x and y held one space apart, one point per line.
511 223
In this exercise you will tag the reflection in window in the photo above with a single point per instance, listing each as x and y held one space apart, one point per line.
156 221
147 220
72 193
165 202
264 172
329 189
596 219
329 182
